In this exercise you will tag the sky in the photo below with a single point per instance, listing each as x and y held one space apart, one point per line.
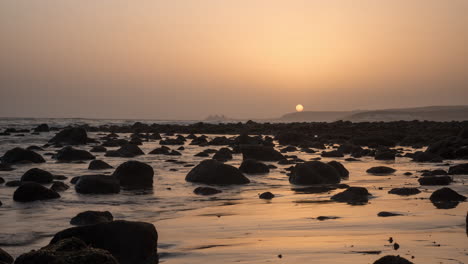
187 59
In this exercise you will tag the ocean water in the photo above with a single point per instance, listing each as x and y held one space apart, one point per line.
236 226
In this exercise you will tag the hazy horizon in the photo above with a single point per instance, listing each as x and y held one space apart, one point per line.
189 59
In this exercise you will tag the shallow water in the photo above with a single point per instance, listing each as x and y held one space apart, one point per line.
238 227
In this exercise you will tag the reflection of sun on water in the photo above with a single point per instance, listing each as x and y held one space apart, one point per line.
299 108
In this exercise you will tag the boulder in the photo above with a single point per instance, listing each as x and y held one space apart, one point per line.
459 169
224 154
91 218
99 165
344 173
404 191
129 242
352 195
134 174
20 155
71 136
206 191
392 260
215 172
381 170
435 180
421 156
5 257
37 175
69 153
126 151
261 153
266 196
387 214
314 172
384 155
42 128
67 251
250 166
31 191
332 154
98 149
97 184
446 195
59 186
160 151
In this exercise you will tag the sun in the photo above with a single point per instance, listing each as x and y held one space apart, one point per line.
299 108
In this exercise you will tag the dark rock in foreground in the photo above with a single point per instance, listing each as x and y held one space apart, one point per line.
224 154
59 186
435 180
129 242
206 191
446 195
134 174
67 251
314 172
91 218
344 173
392 260
459 169
71 154
404 191
381 170
99 165
97 184
352 195
37 175
5 257
250 166
18 155
31 191
215 172
266 196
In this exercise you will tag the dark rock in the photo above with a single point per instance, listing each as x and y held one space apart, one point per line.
404 191
69 153
71 136
67 251
19 155
160 151
75 179
126 151
446 195
98 149
352 159
387 214
59 186
261 153
435 180
314 172
426 157
42 128
5 167
323 218
14 183
215 172
266 196
2 181
31 191
206 191
332 154
37 175
459 169
99 165
128 242
381 170
344 173
250 166
134 174
392 260
352 195
220 141
384 155
202 154
97 184
224 154
34 148
91 218
5 257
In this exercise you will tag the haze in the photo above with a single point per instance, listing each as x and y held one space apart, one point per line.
188 59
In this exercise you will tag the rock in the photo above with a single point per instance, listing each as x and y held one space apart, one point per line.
42 128
2 181
332 154
459 169
97 184
344 173
215 172
75 179
20 155
69 153
261 153
126 151
314 172
129 242
224 154
435 180
384 155
352 195
404 191
37 175
5 257
99 165
134 174
202 154
387 214
31 191
420 156
5 167
71 136
14 183
381 170
160 151
59 186
250 166
67 251
206 191
34 148
392 260
220 141
266 196
446 195
98 149
91 218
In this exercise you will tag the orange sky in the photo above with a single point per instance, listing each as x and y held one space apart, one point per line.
187 59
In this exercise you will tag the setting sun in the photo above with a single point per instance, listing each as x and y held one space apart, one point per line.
299 108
